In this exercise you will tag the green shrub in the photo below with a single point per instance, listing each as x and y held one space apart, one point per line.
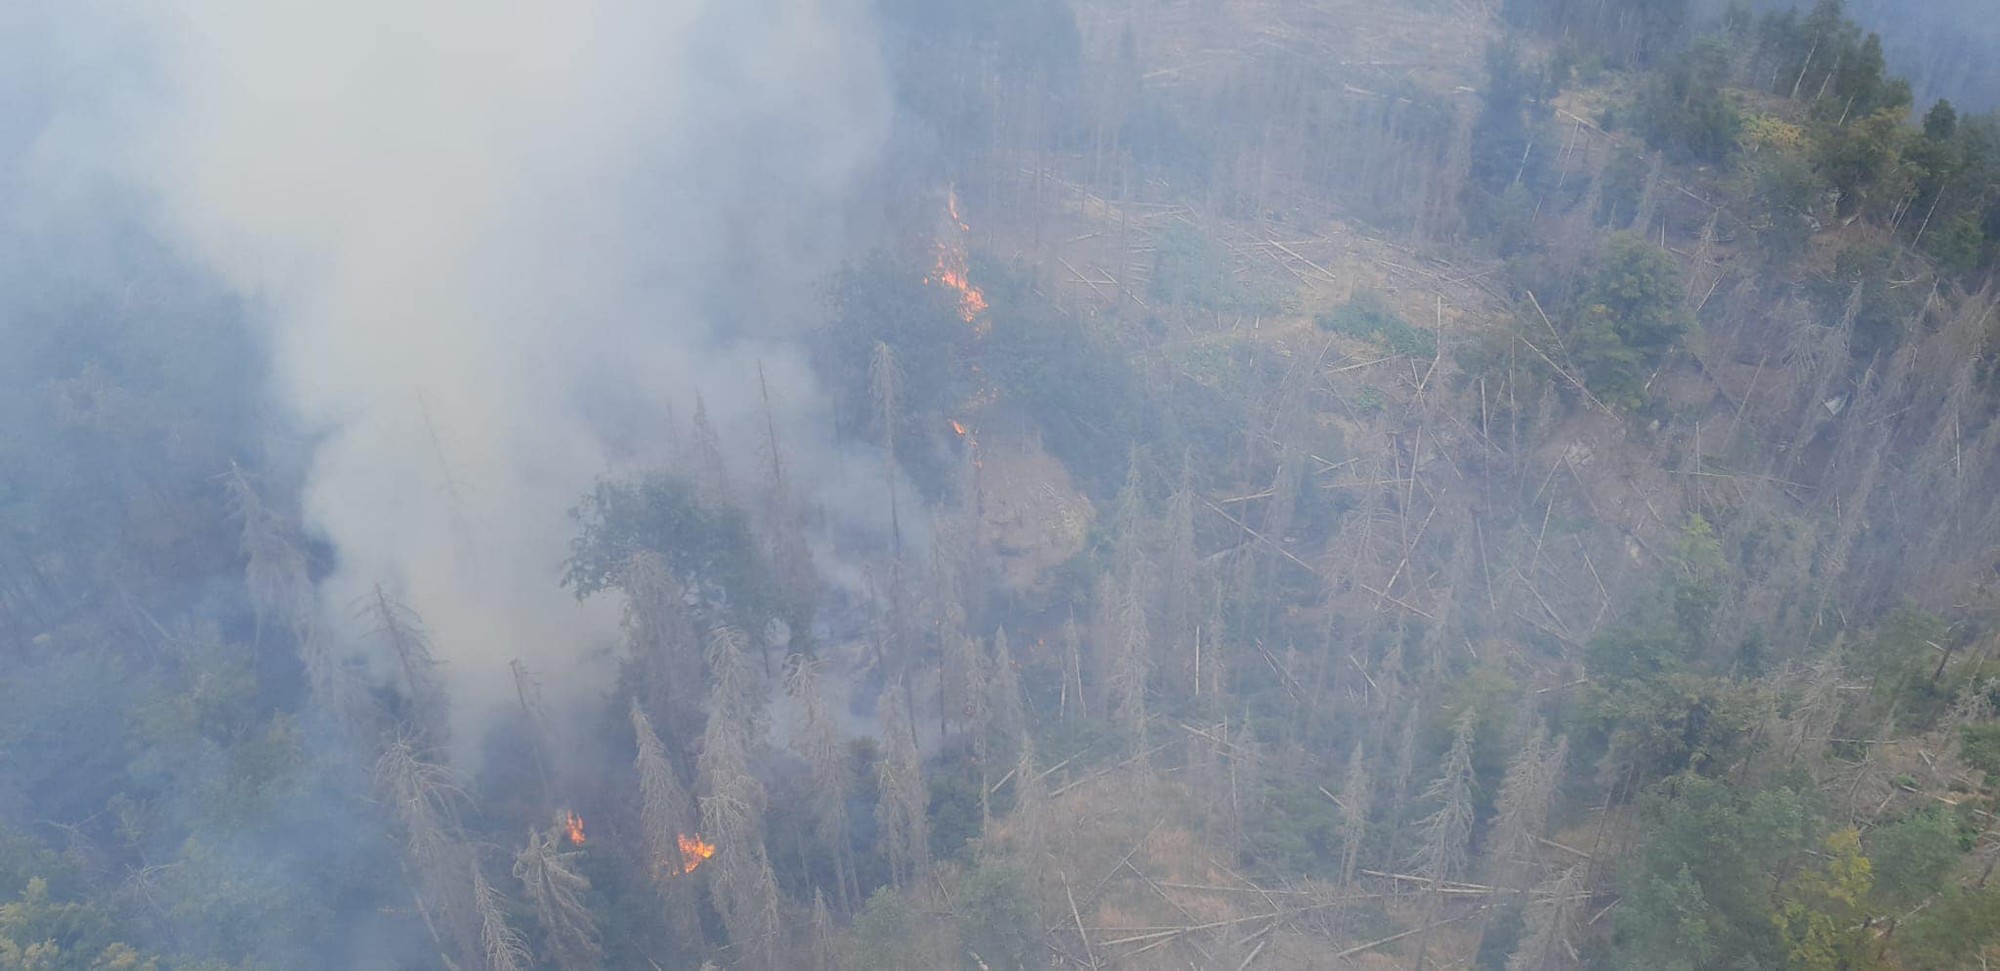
997 920
1365 317
1979 746
1188 269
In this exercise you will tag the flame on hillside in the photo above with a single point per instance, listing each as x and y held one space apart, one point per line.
951 271
694 851
970 438
573 823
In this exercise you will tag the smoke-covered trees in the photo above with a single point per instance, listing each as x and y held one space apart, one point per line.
707 548
1152 505
424 709
817 740
667 815
425 800
555 890
501 947
274 562
664 644
1629 31
732 801
902 809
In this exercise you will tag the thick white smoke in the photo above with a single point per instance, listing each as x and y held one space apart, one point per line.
492 237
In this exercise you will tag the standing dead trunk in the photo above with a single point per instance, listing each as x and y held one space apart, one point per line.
667 817
816 739
903 808
555 890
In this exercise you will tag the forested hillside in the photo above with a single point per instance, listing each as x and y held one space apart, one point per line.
1023 484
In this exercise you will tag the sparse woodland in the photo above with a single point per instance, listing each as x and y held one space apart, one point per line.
1372 483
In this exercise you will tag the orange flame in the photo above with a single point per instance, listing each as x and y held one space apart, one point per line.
694 851
951 205
951 271
574 823
958 427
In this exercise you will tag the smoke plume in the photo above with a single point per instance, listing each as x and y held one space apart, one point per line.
499 246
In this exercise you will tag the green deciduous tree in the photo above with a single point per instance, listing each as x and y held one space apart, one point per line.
1821 915
708 548
1627 320
998 928
1683 111
38 933
885 935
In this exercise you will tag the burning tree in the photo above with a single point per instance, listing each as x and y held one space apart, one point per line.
667 814
732 804
951 271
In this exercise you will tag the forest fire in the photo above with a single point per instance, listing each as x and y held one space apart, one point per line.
951 269
958 427
574 824
694 851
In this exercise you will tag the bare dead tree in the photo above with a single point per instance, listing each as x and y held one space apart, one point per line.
502 947
661 634
335 688
666 815
816 739
1245 762
555 891
397 626
791 555
884 378
1132 660
1447 832
1355 799
1007 714
1031 810
1182 587
971 548
1526 794
1122 608
960 686
733 802
735 694
975 669
1552 917
1072 662
1809 727
825 940
711 472
903 808
281 592
1817 358
425 799
528 694
280 587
